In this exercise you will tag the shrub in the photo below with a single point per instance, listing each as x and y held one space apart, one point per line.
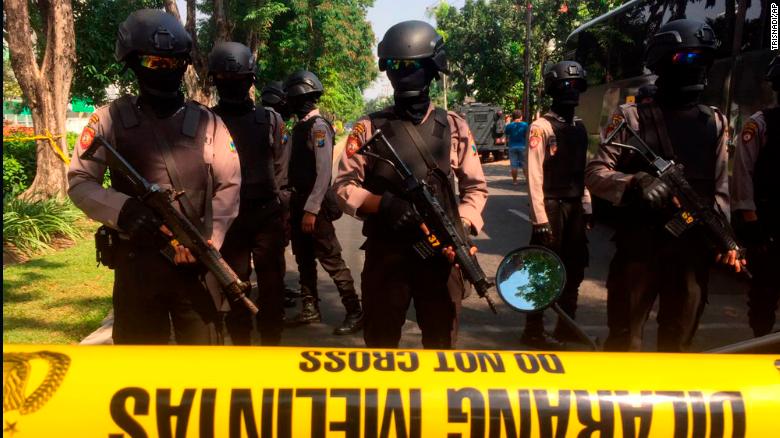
22 151
14 178
31 226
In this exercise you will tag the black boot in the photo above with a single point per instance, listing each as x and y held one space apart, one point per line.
310 312
353 322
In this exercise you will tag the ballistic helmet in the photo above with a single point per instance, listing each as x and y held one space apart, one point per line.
412 40
273 93
565 71
152 32
303 82
679 35
230 57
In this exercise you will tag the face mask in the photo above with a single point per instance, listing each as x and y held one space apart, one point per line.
413 108
566 93
162 83
301 106
410 81
233 91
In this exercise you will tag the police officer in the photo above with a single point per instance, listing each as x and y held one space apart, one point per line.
175 144
412 54
257 233
757 206
560 203
312 208
649 262
274 97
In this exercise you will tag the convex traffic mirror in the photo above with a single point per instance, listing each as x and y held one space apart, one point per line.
530 279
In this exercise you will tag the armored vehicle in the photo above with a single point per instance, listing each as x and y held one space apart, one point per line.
487 125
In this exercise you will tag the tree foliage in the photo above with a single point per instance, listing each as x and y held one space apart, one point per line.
486 44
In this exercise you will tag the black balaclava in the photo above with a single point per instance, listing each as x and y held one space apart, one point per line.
159 89
283 108
411 87
234 93
565 99
680 85
302 105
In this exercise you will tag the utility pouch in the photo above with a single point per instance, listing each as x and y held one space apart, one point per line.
330 205
106 246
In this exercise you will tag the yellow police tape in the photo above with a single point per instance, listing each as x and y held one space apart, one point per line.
79 391
51 141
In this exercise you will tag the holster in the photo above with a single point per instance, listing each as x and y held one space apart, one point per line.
106 246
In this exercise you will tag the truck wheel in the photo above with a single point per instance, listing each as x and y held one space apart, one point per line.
484 156
500 155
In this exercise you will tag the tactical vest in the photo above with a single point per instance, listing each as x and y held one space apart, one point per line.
694 143
766 184
564 160
302 173
380 177
135 135
250 131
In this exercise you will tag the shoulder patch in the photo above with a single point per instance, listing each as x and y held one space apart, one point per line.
231 144
354 143
473 144
94 119
553 145
535 137
749 131
613 123
319 137
87 137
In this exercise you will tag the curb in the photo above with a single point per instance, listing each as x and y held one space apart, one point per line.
102 336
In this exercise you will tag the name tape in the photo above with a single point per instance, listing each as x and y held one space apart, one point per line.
290 392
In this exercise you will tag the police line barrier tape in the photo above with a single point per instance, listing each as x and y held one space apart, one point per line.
83 391
50 138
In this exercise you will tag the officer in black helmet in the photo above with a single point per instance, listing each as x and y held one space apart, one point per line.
649 262
256 235
560 203
273 96
412 54
756 198
174 144
313 207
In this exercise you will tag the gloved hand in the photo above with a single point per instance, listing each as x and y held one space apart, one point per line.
139 221
542 234
398 212
653 191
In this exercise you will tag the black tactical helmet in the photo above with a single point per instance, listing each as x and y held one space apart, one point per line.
562 71
412 40
152 32
303 82
646 91
273 93
679 35
230 57
773 71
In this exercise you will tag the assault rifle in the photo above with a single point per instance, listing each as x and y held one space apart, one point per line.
443 232
184 232
693 209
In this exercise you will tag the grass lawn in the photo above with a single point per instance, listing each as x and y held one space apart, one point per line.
57 298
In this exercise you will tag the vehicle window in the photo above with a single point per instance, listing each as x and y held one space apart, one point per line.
480 117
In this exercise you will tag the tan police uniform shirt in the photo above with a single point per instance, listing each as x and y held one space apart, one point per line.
541 139
749 144
85 178
321 141
464 161
605 182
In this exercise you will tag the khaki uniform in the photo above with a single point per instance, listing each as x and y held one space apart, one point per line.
311 180
563 210
649 262
754 149
393 275
147 287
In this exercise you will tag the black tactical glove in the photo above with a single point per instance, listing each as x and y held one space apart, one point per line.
542 234
139 221
398 212
653 191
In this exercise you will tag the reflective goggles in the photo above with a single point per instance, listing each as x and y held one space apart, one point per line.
690 57
155 62
569 84
402 64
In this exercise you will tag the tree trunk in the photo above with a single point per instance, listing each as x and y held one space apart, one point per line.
46 86
221 21
195 78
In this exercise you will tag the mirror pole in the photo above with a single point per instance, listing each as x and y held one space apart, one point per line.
574 326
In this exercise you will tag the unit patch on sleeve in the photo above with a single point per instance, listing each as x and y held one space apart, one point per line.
535 137
353 142
319 138
231 145
749 131
87 137
616 119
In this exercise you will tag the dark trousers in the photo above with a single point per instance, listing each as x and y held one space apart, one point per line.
393 275
151 293
764 292
257 235
567 223
672 270
322 245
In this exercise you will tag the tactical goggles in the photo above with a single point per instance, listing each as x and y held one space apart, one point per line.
155 62
402 64
570 84
690 57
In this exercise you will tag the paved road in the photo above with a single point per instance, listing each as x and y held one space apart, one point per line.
507 227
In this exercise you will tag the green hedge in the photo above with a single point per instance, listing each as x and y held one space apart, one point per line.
31 226
19 158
